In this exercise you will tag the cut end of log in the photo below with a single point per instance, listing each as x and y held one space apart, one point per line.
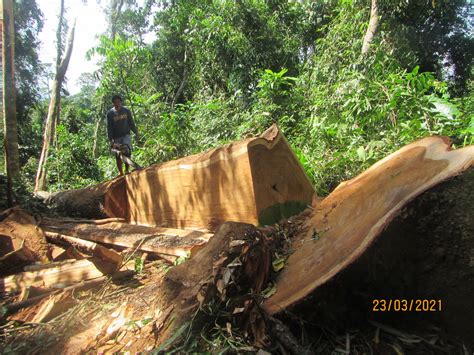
346 222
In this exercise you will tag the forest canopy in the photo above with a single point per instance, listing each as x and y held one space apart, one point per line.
218 71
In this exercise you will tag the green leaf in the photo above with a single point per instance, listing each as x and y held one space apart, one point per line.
138 265
361 153
278 264
270 290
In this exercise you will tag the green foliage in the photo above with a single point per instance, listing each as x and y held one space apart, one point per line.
71 164
218 71
362 108
138 265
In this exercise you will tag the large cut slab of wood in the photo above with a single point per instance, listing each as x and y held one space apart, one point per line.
241 181
167 241
54 274
344 224
258 180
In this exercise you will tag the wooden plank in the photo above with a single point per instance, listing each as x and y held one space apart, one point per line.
88 247
91 221
83 285
46 309
63 274
176 242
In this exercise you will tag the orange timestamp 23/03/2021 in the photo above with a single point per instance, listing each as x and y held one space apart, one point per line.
406 305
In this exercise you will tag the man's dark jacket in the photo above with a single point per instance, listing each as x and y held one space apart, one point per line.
120 123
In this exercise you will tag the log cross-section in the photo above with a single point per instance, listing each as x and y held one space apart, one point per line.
346 222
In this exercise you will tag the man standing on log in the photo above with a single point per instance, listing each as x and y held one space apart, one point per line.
119 124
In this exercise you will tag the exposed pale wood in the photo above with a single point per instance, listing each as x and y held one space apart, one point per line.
46 309
343 226
65 274
20 253
87 247
61 254
176 242
243 181
21 241
56 264
13 307
231 183
91 221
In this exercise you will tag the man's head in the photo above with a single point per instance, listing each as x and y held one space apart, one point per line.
117 101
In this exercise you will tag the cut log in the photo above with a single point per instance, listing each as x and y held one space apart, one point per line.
88 247
67 273
345 223
257 180
21 241
90 202
161 241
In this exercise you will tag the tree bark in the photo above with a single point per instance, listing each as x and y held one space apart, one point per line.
9 106
116 12
52 118
96 134
373 27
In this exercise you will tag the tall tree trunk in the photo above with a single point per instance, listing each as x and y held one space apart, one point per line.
96 134
116 12
373 27
9 105
51 120
179 92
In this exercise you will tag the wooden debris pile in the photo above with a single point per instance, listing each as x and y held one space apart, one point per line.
45 261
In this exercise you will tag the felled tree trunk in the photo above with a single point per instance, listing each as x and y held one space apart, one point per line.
347 222
257 180
333 235
160 241
98 201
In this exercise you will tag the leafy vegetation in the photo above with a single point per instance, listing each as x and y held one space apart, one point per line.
217 71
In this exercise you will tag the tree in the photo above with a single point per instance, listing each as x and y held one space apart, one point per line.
53 110
373 27
28 71
439 33
9 106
